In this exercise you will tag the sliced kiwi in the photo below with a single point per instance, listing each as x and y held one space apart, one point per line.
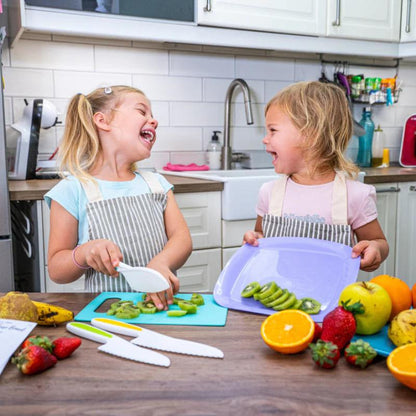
187 306
297 304
197 299
147 307
310 305
251 289
282 298
272 297
267 290
177 313
176 300
286 304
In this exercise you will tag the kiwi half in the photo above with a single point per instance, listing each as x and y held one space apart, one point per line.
310 305
187 306
147 307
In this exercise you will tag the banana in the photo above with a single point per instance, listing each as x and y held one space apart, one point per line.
402 329
49 315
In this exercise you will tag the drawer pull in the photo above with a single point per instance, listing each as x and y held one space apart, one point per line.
337 21
383 191
208 6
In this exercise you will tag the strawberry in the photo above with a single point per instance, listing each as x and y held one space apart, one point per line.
325 354
317 332
43 342
339 325
34 359
63 347
360 353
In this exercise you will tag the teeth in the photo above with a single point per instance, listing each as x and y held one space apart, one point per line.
148 135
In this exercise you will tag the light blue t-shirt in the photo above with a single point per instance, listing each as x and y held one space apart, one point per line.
70 194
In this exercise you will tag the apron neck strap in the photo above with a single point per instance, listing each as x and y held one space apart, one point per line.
92 191
152 181
339 198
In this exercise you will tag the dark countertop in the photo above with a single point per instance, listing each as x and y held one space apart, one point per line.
251 379
36 188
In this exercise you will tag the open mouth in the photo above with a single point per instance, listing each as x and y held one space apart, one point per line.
149 135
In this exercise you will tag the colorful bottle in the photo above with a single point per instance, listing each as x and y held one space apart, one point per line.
377 148
365 142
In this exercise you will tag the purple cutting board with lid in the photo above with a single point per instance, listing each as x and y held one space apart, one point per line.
210 314
305 266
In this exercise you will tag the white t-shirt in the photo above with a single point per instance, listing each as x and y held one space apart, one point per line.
313 202
70 194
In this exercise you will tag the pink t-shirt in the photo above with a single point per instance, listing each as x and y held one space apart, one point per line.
313 202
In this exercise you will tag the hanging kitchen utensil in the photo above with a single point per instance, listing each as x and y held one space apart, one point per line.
143 279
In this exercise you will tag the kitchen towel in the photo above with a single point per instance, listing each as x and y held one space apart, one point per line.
184 168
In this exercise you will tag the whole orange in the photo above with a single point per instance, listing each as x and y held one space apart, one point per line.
414 295
398 290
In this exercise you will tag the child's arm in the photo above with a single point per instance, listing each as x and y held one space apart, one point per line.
251 237
63 237
175 253
372 246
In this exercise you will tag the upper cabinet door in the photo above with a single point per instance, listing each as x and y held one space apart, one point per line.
364 19
408 29
303 17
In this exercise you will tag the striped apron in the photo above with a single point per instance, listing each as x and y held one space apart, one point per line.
275 225
134 223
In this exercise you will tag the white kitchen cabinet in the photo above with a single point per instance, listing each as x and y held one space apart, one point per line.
306 17
408 25
364 19
406 232
202 213
387 202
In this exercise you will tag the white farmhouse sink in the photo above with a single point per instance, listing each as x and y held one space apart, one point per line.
241 187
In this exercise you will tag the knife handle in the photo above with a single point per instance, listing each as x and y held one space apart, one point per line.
89 332
116 326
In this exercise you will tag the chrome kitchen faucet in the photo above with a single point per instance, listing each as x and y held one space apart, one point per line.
227 155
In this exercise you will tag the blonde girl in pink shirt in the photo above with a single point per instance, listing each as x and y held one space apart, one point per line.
309 125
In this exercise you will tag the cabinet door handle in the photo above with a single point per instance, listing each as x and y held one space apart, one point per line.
337 21
208 6
409 7
392 189
412 188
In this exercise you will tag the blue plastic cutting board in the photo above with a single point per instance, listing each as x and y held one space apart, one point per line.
210 314
380 341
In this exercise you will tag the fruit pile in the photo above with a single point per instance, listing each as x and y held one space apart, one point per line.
38 353
126 309
279 299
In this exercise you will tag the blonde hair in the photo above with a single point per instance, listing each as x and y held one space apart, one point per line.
80 144
321 113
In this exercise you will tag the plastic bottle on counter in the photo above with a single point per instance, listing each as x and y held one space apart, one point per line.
365 142
377 148
214 152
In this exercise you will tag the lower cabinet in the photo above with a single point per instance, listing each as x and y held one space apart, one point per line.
202 213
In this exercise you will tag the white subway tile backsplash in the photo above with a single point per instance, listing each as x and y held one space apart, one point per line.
92 41
28 82
238 115
407 74
201 64
171 139
407 96
215 89
157 160
265 68
161 112
68 83
247 138
52 55
271 88
196 114
185 158
403 113
166 88
306 70
130 60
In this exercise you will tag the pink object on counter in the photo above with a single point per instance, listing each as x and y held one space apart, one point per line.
183 168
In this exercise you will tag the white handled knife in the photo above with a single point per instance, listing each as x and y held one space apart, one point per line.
156 340
117 346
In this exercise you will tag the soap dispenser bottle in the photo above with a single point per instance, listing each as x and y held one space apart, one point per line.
365 141
214 152
377 148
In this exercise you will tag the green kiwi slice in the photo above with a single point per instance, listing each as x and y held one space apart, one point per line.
147 307
187 306
272 297
285 294
286 304
197 299
310 305
251 289
267 290
177 313
296 305
176 300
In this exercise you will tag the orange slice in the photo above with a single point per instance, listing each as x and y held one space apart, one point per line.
288 332
402 364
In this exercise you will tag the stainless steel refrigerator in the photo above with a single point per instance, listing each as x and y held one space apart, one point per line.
6 252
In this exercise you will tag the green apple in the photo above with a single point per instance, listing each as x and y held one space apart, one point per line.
376 302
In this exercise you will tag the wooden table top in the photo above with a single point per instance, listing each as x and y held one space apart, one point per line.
250 380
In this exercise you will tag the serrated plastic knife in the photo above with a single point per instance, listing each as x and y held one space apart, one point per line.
152 339
117 346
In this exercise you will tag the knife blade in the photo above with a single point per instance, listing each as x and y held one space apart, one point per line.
117 346
152 339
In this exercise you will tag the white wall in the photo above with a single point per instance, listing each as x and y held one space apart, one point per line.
186 84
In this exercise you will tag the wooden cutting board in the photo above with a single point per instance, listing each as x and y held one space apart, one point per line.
210 314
